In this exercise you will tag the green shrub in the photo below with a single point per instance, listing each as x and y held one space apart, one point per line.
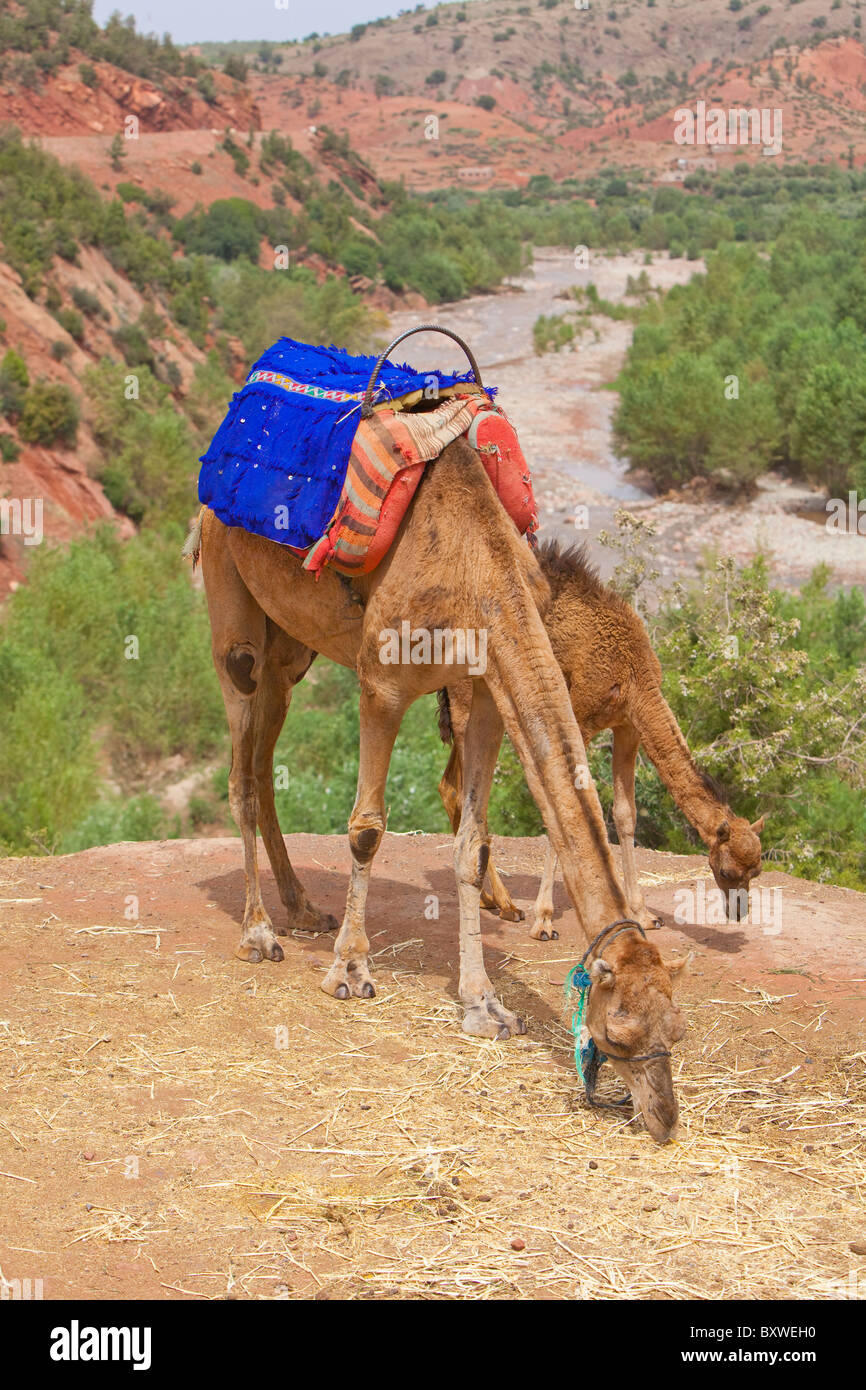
71 320
14 380
49 415
86 301
10 449
206 87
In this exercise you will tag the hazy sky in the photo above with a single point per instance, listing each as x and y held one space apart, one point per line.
189 20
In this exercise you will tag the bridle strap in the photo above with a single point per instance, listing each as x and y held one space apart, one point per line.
624 923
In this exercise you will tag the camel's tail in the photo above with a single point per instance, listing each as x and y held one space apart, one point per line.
446 732
192 544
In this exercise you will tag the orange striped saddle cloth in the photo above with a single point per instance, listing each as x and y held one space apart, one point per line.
389 454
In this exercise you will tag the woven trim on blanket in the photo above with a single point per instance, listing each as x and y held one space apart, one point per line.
385 467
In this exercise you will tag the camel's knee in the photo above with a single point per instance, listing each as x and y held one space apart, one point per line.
471 856
241 663
365 837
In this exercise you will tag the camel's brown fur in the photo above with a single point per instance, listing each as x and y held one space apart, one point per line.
457 562
614 682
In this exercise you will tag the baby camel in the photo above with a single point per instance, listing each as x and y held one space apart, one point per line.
614 681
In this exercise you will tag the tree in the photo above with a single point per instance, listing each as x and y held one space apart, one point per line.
117 153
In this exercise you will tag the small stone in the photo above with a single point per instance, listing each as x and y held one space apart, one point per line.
518 1243
745 1129
858 1247
592 1163
650 1206
88 1154
484 1197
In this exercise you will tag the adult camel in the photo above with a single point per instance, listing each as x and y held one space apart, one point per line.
457 563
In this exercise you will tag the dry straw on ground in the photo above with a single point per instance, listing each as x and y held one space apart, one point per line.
289 1146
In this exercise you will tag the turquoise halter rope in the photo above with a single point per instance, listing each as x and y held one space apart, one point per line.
578 979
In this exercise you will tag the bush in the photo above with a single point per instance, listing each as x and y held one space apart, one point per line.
228 230
485 101
10 449
87 73
49 415
436 77
14 380
71 320
206 87
60 349
235 67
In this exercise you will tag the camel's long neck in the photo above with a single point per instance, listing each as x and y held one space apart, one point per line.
531 695
664 743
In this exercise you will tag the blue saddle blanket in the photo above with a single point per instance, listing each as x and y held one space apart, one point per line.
277 464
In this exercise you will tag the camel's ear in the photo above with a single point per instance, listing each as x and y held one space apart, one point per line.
678 964
758 825
601 974
723 833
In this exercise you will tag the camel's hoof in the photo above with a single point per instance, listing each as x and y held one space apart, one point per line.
349 977
312 920
542 930
648 920
490 1019
264 950
512 914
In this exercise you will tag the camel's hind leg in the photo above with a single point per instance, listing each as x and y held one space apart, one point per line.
451 792
380 717
285 664
239 643
485 1016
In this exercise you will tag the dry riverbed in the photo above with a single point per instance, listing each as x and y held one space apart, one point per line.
562 405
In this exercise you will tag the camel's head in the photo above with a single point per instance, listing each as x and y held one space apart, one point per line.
735 859
630 1013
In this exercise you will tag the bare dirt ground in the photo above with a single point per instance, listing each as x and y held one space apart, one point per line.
177 1124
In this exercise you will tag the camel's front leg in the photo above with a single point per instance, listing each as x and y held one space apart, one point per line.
542 926
626 741
485 1016
380 722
